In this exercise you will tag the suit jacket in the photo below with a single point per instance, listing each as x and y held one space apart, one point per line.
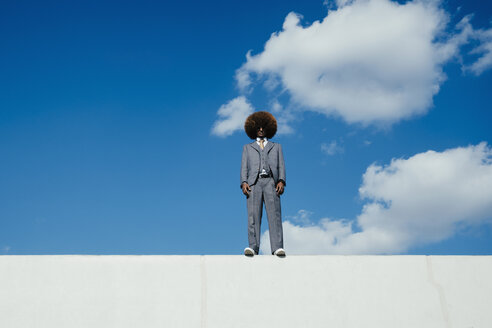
250 163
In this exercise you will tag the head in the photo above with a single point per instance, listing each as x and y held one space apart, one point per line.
260 124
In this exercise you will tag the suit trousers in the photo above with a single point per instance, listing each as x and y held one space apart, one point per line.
263 191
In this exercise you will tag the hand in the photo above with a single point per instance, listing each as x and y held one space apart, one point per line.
246 189
280 188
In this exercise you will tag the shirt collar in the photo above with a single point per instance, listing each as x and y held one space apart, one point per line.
258 139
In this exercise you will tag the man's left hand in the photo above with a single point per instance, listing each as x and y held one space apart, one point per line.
280 188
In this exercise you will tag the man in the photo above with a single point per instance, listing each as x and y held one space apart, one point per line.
263 181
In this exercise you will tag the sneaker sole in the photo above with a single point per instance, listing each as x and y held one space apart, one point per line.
249 253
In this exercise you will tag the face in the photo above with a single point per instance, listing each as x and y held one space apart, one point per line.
260 133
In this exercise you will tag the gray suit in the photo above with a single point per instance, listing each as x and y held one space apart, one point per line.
263 191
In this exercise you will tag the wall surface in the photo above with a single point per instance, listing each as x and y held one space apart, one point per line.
236 291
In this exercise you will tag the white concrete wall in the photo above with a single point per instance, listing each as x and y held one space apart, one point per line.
236 291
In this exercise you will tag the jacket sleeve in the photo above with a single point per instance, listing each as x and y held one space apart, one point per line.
244 166
281 165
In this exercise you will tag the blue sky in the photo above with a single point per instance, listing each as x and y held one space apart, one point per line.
108 116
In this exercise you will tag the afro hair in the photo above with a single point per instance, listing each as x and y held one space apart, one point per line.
260 119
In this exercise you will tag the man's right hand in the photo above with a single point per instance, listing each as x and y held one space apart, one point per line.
246 188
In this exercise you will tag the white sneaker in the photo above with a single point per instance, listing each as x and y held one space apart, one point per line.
248 251
279 252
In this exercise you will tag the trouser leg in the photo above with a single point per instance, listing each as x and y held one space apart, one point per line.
274 213
255 208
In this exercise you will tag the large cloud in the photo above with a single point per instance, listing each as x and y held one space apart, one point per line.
411 202
371 60
367 61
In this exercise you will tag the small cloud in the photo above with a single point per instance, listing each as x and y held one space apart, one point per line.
5 249
367 142
283 117
283 126
276 106
342 3
302 217
332 148
232 116
484 62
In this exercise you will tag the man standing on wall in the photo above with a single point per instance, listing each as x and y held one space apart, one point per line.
263 181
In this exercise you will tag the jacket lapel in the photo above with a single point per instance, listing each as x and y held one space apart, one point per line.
269 146
255 146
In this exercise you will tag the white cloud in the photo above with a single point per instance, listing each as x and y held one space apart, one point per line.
232 116
332 148
6 249
303 217
485 48
341 3
411 202
368 61
283 117
482 51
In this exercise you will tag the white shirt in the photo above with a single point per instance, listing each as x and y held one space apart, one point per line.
264 142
